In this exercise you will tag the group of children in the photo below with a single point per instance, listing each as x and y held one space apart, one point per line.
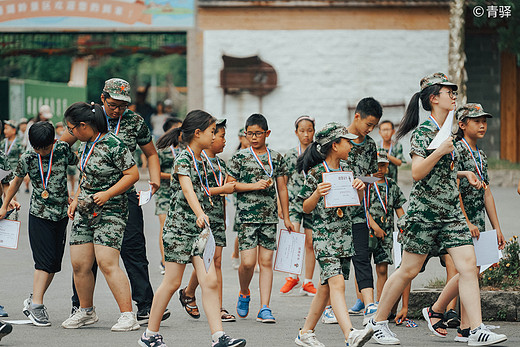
268 186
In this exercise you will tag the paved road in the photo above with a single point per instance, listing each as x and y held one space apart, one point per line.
16 269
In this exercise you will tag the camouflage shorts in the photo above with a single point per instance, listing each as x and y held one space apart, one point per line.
179 247
382 250
251 235
422 237
297 217
107 230
162 204
219 233
331 266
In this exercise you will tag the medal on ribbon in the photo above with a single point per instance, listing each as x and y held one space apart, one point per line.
220 178
452 165
118 126
6 149
389 152
172 149
339 211
480 170
385 203
205 188
269 159
45 179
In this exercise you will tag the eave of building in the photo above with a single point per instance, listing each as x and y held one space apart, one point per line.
329 3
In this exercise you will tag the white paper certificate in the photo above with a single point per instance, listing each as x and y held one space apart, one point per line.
9 233
145 196
341 193
397 250
209 251
486 248
289 255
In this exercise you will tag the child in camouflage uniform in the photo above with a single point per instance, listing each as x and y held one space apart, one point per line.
474 202
363 162
216 213
434 217
305 133
190 198
393 149
46 164
162 196
255 171
331 233
384 197
11 144
100 212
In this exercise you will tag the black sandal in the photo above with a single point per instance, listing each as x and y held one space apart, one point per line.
192 310
428 314
226 317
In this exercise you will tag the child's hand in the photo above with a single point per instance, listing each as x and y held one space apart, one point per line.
401 316
155 186
3 212
13 204
500 239
380 233
229 187
358 184
262 184
288 224
100 198
72 209
201 220
323 188
473 180
446 147
474 230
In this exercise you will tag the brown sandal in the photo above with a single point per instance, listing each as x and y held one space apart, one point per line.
192 310
225 316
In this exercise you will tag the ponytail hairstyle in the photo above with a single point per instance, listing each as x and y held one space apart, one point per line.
460 133
411 116
194 120
91 114
314 154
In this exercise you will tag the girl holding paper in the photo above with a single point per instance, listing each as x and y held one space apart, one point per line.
434 218
332 232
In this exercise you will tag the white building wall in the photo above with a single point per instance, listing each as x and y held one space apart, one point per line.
321 73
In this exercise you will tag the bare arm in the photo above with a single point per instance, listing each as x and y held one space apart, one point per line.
283 196
130 176
154 166
421 167
394 160
70 139
489 203
248 187
11 192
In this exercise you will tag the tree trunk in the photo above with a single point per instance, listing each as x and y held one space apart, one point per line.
456 55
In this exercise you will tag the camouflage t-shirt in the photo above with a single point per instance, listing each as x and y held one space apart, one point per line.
396 151
331 235
166 159
258 206
472 198
362 160
435 198
13 151
295 179
395 200
181 218
216 212
4 165
105 167
53 208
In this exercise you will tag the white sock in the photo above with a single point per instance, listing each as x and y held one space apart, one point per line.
217 335
150 333
305 281
295 277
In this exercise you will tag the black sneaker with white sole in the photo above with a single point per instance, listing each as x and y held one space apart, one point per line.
226 341
482 336
5 329
144 315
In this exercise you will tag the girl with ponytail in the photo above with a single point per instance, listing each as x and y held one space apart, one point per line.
99 212
434 220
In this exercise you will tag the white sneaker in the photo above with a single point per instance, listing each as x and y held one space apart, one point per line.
482 336
308 339
358 338
126 322
382 333
80 318
328 316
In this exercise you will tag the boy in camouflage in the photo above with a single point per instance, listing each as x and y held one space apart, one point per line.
46 164
11 144
363 162
331 233
393 149
255 171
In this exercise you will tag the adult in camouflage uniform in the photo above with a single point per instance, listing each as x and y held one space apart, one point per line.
255 171
99 211
393 149
305 128
363 162
332 230
434 217
11 144
132 130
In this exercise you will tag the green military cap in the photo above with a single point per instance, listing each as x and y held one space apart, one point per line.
118 89
382 157
471 111
437 78
333 131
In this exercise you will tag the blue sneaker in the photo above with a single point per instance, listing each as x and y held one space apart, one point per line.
357 309
265 315
370 311
328 316
3 313
243 305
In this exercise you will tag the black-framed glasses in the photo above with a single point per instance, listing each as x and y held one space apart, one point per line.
255 133
70 129
113 107
452 94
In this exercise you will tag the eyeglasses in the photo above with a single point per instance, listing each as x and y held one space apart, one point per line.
451 94
256 133
70 129
121 107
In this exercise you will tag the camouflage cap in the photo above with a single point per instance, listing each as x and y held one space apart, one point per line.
242 132
118 89
10 122
471 111
382 157
333 131
437 78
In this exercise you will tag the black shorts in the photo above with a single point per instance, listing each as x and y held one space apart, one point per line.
47 240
